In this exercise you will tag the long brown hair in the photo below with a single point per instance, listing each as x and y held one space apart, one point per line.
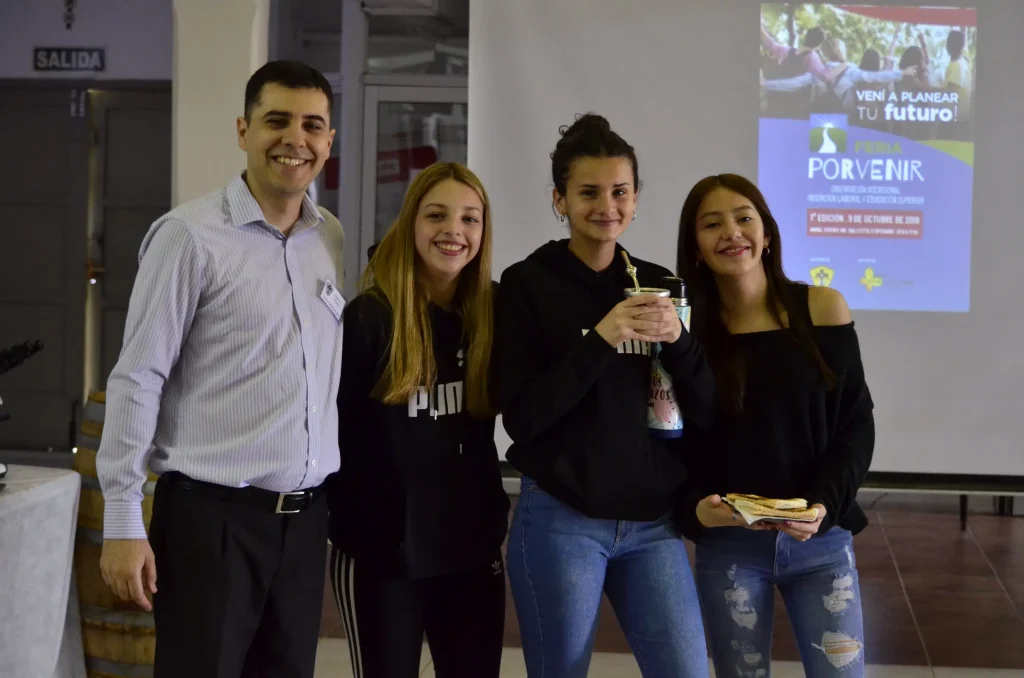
706 308
392 271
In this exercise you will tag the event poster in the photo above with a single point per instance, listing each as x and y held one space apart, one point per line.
866 149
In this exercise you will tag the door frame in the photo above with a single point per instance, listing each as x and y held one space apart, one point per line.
99 301
373 97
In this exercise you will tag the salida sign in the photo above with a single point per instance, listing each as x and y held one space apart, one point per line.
69 59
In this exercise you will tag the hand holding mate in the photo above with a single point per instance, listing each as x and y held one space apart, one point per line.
645 317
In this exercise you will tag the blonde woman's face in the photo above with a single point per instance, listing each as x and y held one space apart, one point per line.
449 227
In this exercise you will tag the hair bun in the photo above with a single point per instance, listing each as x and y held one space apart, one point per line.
591 136
588 122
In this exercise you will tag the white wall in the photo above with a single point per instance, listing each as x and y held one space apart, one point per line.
137 35
219 44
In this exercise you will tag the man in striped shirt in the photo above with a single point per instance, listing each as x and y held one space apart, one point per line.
226 386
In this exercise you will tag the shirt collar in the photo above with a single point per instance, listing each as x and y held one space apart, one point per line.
245 210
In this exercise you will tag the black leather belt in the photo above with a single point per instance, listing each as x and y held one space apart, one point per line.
275 502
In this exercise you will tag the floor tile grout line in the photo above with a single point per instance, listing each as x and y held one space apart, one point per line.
906 596
992 567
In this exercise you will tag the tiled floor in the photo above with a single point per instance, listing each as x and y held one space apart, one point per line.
332 662
933 596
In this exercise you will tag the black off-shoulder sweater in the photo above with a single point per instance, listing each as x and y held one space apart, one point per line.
793 437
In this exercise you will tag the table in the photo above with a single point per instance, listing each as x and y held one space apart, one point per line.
40 628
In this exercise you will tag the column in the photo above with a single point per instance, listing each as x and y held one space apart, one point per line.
218 44
354 38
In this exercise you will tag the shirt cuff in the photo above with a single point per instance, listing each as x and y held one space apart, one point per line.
123 520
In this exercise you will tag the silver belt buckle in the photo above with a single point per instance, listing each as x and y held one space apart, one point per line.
280 501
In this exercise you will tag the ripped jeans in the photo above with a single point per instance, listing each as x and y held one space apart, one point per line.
737 570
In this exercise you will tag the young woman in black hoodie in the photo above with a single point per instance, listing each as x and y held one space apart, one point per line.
573 371
418 512
794 421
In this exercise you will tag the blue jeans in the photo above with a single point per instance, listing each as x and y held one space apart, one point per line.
559 563
737 571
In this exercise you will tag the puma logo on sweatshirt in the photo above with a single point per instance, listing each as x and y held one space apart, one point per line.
631 346
443 399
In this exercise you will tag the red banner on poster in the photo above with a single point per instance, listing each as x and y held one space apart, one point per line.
932 16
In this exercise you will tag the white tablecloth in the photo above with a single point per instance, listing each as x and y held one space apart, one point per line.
40 630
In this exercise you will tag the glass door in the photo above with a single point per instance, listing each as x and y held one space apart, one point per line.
405 129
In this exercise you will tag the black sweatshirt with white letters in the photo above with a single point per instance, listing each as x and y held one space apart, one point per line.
575 406
419 490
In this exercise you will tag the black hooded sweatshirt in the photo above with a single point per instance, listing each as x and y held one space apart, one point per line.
576 407
419 491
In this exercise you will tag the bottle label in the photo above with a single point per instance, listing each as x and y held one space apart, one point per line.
684 315
664 419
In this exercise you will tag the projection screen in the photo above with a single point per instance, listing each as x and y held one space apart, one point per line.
889 188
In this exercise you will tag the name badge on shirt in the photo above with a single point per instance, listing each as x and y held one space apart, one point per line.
330 295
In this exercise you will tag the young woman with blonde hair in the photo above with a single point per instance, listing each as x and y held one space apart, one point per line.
418 512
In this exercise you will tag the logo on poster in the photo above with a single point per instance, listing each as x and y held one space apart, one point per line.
828 134
822 276
870 281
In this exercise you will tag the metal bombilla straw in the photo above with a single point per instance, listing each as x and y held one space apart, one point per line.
631 271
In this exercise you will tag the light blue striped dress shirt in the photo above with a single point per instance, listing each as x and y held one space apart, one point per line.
230 363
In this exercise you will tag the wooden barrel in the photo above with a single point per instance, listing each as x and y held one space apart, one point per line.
119 638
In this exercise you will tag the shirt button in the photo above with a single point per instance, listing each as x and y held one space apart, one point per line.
314 409
314 462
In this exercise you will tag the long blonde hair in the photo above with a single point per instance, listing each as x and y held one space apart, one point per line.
392 270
